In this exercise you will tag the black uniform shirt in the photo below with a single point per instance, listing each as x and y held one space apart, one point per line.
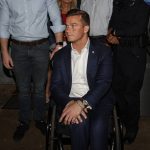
130 17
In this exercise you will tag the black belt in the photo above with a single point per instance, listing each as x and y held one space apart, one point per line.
98 36
30 43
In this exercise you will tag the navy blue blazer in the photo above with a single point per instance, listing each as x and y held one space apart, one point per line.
99 75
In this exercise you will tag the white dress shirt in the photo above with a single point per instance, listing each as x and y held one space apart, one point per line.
79 75
100 12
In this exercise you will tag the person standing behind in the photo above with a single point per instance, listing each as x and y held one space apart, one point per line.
129 24
65 6
100 13
81 84
26 23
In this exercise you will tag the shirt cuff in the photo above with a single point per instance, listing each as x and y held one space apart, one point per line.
57 29
4 35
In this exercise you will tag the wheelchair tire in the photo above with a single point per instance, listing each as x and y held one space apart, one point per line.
52 135
117 142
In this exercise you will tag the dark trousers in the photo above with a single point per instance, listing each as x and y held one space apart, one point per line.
30 68
129 68
92 132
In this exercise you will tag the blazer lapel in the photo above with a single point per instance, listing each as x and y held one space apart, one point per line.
68 65
91 65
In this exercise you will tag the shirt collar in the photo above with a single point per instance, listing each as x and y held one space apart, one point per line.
86 47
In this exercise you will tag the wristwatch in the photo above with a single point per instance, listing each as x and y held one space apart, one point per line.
59 43
86 104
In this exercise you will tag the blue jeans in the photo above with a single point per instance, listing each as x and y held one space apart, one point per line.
30 69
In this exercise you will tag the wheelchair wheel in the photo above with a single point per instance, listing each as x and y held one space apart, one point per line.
53 140
50 130
48 127
117 133
52 135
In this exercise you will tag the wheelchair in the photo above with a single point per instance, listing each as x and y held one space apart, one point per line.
57 135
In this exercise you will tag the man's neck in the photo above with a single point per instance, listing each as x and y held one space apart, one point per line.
80 44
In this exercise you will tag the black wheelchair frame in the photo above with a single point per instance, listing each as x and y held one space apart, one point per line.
116 136
57 136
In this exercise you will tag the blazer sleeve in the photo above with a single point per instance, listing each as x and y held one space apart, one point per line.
58 88
102 82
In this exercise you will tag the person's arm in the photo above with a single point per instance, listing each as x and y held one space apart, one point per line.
4 34
55 17
57 27
59 43
109 15
58 87
103 79
6 58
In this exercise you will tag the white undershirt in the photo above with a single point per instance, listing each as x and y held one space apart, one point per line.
79 68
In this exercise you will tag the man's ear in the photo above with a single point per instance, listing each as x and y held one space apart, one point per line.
86 29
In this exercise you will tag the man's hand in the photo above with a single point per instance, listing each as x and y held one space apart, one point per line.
57 48
7 60
78 119
72 113
112 39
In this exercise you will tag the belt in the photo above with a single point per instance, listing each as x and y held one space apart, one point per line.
30 43
98 37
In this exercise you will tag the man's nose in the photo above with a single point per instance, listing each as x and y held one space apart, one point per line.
68 29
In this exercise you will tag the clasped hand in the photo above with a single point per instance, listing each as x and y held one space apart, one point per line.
73 113
112 39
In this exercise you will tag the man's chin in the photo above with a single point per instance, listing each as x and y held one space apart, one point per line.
70 40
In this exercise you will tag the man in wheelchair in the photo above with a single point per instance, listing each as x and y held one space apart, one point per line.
81 84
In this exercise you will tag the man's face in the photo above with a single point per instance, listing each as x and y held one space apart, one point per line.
75 28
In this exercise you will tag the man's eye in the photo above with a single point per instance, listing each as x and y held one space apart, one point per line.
74 25
68 26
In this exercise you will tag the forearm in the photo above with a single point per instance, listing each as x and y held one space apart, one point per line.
4 45
59 37
58 45
7 60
